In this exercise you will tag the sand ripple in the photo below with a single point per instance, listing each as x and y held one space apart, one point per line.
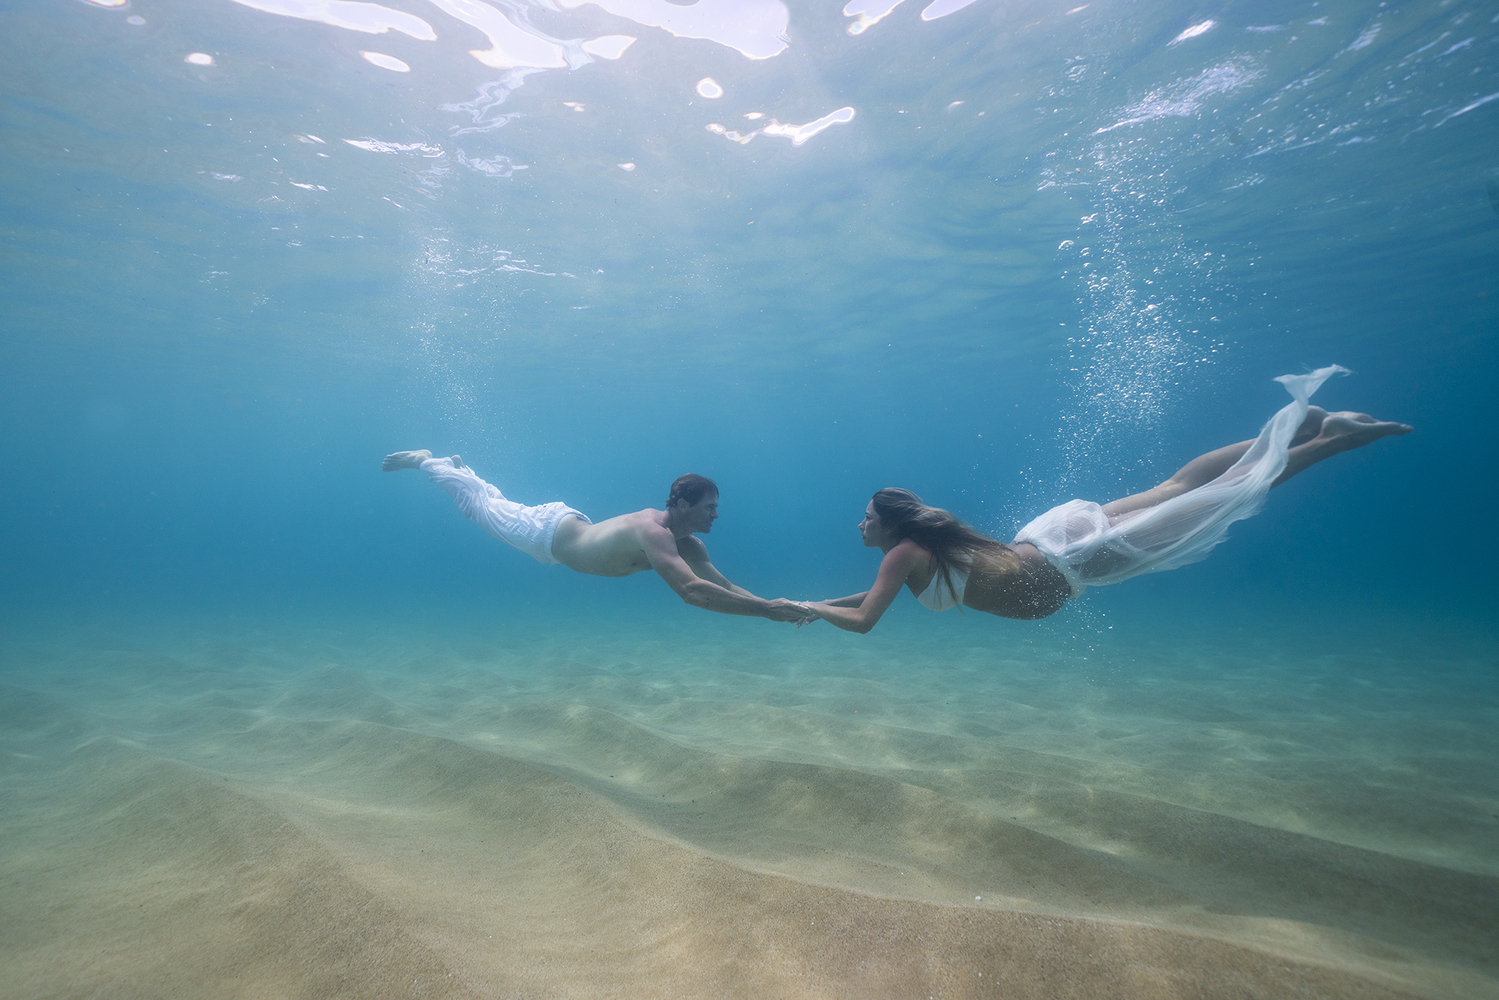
180 827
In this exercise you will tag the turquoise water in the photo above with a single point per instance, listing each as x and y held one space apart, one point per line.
277 723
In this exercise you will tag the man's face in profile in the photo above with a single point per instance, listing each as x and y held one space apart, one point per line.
700 516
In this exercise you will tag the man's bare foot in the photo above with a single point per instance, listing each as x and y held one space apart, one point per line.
405 460
1345 429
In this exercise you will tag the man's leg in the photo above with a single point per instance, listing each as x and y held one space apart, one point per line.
1320 436
529 529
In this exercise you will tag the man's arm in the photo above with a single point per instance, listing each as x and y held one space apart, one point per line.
714 593
695 554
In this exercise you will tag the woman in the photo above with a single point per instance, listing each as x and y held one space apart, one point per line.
1080 544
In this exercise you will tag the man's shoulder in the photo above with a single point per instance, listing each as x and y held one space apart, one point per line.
692 548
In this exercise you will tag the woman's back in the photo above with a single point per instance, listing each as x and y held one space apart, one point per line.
1003 580
1025 586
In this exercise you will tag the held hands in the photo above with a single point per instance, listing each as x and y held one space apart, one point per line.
783 610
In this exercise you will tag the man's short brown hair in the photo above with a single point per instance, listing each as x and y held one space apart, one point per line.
692 488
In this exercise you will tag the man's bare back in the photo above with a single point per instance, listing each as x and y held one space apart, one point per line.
662 540
615 547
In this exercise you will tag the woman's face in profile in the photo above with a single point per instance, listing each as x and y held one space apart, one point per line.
872 529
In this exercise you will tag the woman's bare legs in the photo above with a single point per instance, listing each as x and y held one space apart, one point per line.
1321 435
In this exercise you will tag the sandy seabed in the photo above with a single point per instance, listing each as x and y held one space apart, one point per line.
269 810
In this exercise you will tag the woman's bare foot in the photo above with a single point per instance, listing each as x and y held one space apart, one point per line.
1339 432
413 460
1346 430
1310 427
405 460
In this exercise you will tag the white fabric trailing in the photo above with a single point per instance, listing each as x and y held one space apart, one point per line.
1078 538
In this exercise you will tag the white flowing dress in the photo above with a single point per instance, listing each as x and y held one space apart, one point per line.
1090 549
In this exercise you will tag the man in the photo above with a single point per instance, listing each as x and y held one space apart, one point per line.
661 540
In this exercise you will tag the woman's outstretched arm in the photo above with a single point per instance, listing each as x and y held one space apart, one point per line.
846 602
861 617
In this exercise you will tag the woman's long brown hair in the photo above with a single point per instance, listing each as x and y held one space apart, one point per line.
949 540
